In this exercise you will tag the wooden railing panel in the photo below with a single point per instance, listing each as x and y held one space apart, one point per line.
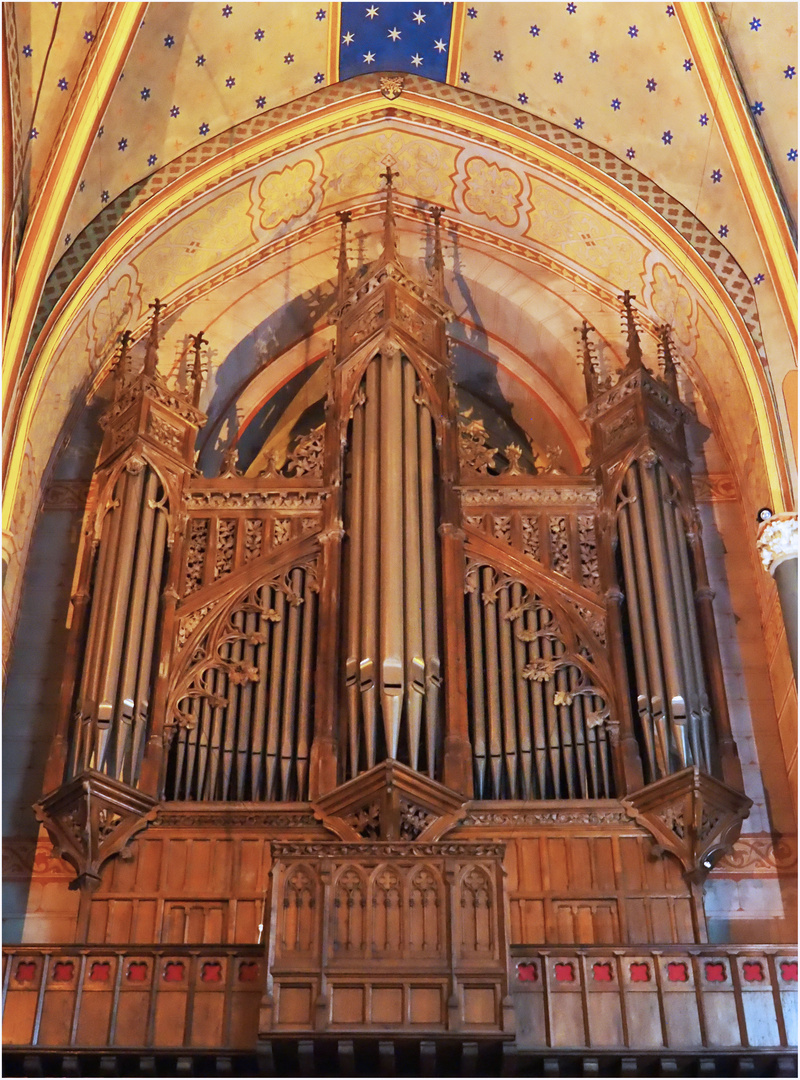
671 997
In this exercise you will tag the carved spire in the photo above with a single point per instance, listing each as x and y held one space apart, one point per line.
438 259
634 348
590 378
121 366
151 356
388 221
197 341
668 360
344 217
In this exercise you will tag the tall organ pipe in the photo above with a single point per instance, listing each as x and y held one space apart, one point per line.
369 651
412 566
477 684
523 710
666 614
492 681
144 677
508 697
429 584
682 612
649 618
288 718
392 563
694 632
304 704
355 526
644 696
119 599
125 711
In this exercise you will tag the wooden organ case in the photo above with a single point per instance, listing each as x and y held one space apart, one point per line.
347 737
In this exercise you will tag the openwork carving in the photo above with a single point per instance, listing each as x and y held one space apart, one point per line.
196 547
501 527
240 709
530 537
559 545
166 434
226 546
253 538
590 573
307 456
537 710
474 451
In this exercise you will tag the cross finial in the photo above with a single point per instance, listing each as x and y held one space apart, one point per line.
389 176
344 217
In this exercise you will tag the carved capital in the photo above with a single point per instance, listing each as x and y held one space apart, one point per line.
777 540
692 816
92 817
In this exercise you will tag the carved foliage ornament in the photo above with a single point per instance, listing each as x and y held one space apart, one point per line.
563 647
213 649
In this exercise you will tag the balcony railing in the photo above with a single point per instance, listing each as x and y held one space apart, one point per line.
674 997
194 998
133 997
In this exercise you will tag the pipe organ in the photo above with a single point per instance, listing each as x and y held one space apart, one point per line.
384 668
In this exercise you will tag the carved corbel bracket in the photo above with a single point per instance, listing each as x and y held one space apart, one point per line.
390 802
90 818
692 816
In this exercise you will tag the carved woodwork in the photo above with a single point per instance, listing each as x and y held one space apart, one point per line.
353 645
390 802
387 933
660 621
691 815
90 818
538 710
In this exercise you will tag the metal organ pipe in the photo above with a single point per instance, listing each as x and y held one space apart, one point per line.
118 609
666 614
412 566
644 695
642 578
355 527
392 562
369 523
430 591
665 638
114 692
392 607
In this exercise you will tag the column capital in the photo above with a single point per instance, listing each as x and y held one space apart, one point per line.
777 540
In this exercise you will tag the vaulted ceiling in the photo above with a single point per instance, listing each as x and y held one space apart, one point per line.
199 153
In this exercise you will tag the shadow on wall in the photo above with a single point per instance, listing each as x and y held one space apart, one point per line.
293 322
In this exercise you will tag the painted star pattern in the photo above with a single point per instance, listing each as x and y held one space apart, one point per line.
396 37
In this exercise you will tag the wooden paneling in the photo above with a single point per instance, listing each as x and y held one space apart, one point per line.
594 889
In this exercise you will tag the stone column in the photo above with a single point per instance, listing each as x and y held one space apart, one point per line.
777 545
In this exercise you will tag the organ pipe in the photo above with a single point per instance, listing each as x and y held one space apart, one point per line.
536 726
391 631
247 725
113 700
664 635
